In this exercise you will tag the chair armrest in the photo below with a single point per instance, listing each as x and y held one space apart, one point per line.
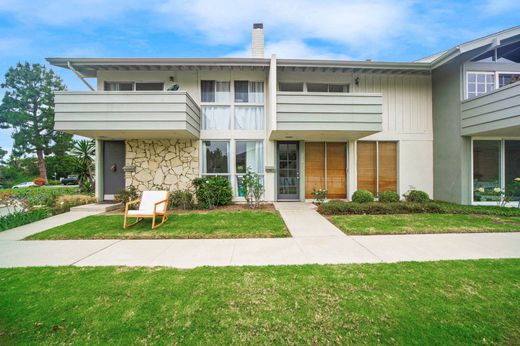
160 202
130 203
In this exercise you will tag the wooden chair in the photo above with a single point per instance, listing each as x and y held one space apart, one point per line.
152 204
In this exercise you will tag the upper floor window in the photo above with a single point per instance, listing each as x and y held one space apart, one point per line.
327 88
119 86
480 83
214 91
249 91
134 86
290 86
507 78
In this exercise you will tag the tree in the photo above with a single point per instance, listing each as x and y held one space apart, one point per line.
2 154
28 108
84 151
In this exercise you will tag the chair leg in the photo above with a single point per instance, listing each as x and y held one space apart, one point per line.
164 218
127 225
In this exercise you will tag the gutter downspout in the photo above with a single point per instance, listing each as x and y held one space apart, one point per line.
80 76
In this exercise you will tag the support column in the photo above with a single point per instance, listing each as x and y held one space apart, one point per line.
99 171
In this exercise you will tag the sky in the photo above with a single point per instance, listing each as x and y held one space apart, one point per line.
381 30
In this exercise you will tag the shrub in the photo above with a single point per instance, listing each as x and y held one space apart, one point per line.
21 218
45 197
64 203
212 191
127 195
182 199
353 208
53 182
388 197
362 196
320 195
417 196
253 189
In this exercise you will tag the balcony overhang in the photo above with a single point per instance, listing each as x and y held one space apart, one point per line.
493 114
327 116
127 115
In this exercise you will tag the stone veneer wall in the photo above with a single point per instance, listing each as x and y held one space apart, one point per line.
166 163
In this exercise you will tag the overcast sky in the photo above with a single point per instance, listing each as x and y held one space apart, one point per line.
386 30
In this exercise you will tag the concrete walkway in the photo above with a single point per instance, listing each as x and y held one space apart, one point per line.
314 240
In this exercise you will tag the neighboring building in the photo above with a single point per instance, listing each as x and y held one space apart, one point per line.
304 124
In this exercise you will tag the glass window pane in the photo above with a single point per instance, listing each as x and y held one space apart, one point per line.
490 78
215 157
512 167
472 78
256 92
317 87
249 118
249 155
216 117
290 86
241 91
486 170
149 86
207 88
119 86
338 88
481 78
366 166
507 78
222 92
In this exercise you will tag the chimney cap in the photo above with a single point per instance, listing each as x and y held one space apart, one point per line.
258 25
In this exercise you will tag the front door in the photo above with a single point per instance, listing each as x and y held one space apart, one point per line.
113 174
288 171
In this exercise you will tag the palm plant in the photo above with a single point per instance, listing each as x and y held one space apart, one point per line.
84 151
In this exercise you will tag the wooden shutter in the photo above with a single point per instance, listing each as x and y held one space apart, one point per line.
336 170
387 152
314 167
366 166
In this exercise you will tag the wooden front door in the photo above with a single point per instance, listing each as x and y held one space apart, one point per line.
326 168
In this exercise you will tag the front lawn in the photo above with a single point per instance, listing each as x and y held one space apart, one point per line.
424 223
443 303
214 224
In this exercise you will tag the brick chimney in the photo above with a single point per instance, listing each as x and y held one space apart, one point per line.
257 42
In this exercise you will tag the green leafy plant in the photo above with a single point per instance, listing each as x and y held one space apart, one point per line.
253 189
212 191
388 196
20 218
320 195
362 196
127 195
182 199
416 196
84 151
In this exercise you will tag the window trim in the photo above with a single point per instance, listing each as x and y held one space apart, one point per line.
235 174
203 157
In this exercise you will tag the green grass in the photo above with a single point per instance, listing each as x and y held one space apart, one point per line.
442 303
242 224
424 223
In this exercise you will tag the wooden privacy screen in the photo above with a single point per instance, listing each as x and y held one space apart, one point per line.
325 168
377 166
367 166
336 170
314 167
387 166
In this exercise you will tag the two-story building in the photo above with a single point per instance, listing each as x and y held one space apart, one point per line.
448 124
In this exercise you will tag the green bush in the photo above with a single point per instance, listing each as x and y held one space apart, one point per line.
212 191
373 208
362 196
417 196
388 197
20 218
182 199
127 195
43 196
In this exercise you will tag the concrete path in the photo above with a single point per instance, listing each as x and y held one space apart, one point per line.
314 240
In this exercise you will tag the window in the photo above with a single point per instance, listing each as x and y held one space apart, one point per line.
149 86
215 158
119 86
326 87
214 91
249 118
480 83
377 166
249 92
290 86
507 78
215 117
249 155
496 165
